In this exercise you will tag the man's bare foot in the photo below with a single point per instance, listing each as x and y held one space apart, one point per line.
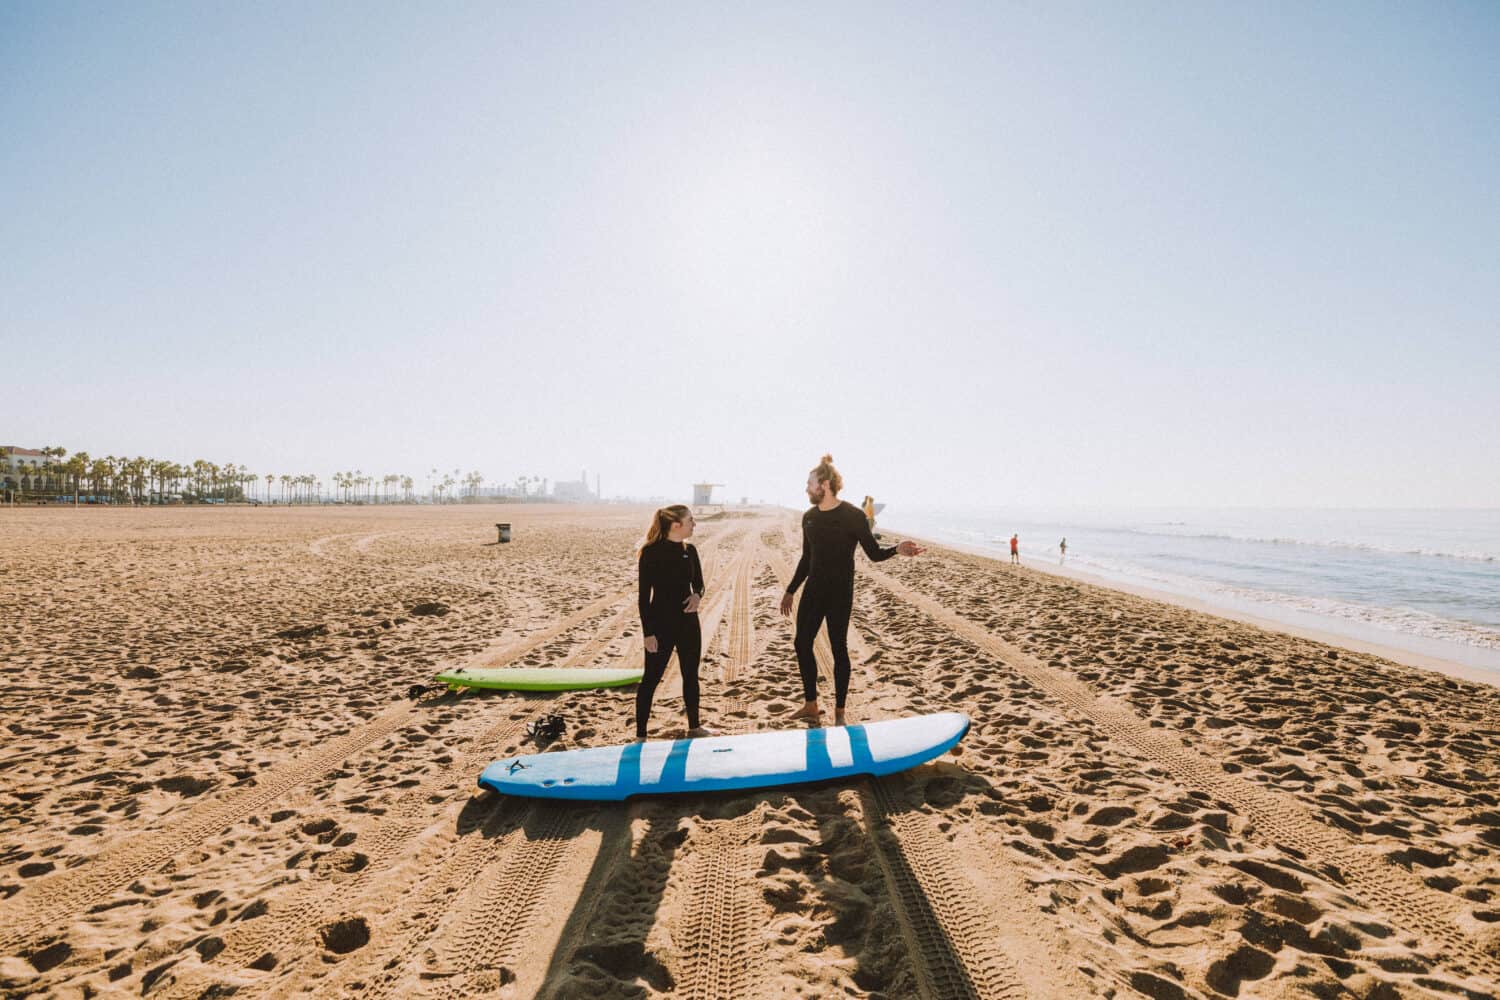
639 739
838 717
808 711
700 732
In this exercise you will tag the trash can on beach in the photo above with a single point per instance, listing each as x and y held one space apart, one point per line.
504 528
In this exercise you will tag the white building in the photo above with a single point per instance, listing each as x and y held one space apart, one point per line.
574 490
21 469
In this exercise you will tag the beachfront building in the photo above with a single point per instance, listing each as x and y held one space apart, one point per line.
703 494
575 490
27 470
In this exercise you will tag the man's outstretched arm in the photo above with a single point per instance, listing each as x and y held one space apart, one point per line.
875 552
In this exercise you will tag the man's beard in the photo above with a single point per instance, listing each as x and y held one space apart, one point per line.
819 495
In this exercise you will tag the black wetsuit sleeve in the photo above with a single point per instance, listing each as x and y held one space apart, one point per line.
646 582
867 541
803 564
697 571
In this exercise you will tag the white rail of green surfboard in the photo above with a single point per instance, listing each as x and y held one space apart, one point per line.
724 763
539 678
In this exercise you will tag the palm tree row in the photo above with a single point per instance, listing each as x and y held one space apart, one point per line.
146 480
134 480
141 480
356 487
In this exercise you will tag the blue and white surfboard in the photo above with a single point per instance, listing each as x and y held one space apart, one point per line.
720 763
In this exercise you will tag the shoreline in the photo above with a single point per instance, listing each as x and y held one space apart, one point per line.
1405 657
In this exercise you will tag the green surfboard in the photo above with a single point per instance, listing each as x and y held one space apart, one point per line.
538 678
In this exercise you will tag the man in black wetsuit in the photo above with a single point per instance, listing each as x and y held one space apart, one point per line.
830 530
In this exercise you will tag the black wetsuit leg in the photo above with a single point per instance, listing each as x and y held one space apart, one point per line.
816 608
689 647
686 638
839 608
810 616
656 666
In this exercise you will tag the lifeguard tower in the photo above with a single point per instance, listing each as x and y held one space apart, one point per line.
703 494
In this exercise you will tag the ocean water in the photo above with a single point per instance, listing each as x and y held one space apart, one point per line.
1427 581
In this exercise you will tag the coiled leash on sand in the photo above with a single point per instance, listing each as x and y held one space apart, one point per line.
546 729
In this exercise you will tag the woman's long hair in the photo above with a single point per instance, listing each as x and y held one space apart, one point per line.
662 521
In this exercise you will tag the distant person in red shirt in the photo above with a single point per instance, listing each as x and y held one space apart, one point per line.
1015 549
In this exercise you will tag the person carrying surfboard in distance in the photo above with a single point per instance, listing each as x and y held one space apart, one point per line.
831 529
671 585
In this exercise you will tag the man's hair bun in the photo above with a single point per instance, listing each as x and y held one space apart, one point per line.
826 473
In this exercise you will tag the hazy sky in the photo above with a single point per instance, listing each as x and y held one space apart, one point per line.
1159 253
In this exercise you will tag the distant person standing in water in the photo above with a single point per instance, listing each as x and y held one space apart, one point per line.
1062 547
671 585
1015 549
831 529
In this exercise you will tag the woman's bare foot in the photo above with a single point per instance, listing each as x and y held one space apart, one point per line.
639 739
808 711
700 732
838 717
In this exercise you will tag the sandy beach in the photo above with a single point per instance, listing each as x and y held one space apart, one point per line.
213 783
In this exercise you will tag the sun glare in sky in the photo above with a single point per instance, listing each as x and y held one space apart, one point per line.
1105 254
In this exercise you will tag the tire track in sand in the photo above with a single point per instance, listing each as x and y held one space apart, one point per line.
485 935
740 643
1279 819
950 936
716 932
949 933
318 900
33 913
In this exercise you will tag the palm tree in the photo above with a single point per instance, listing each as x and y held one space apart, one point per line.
98 472
111 477
135 472
46 451
78 467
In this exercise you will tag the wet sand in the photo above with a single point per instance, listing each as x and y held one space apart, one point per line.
212 781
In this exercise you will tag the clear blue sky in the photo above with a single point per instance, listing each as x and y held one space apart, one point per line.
1110 253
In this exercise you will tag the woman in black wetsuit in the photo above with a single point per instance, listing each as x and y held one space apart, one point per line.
671 580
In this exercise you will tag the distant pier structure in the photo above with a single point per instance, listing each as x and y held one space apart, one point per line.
703 494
